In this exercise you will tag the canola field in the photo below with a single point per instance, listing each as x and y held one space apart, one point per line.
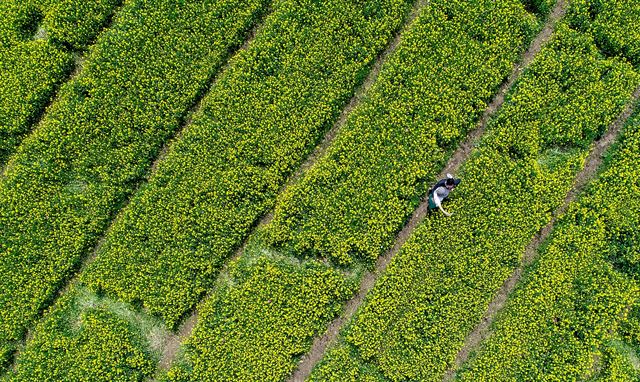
195 190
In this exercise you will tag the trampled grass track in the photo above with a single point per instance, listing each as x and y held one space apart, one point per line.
557 326
390 313
91 150
202 338
34 67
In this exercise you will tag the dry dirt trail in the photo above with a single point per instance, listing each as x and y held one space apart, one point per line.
592 164
175 340
320 344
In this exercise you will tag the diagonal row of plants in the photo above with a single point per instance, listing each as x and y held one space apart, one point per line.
97 141
262 118
576 314
263 115
437 288
38 42
265 311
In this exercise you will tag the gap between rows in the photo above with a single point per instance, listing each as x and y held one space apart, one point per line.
462 153
593 162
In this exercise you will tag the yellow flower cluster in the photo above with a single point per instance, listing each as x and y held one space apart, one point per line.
84 342
351 204
95 143
33 67
265 113
436 290
574 306
254 326
612 23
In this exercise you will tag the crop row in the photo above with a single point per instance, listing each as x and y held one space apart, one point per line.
436 289
89 338
612 25
349 206
223 348
307 53
254 327
575 304
98 139
34 66
264 114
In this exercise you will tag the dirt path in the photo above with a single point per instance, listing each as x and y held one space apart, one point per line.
67 284
320 344
174 341
592 164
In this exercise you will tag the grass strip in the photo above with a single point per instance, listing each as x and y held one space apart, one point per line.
90 338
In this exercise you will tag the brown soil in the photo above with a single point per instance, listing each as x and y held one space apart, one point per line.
592 164
173 341
321 343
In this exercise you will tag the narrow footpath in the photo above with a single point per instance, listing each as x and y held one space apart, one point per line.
320 344
592 164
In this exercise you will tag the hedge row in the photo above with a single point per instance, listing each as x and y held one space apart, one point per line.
436 289
98 139
88 338
572 306
261 320
219 358
350 205
256 125
31 69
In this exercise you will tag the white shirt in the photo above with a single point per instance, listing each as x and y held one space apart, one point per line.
440 194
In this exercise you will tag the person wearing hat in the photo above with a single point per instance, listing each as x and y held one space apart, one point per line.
441 191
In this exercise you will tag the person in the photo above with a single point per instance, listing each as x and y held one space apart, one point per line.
441 191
